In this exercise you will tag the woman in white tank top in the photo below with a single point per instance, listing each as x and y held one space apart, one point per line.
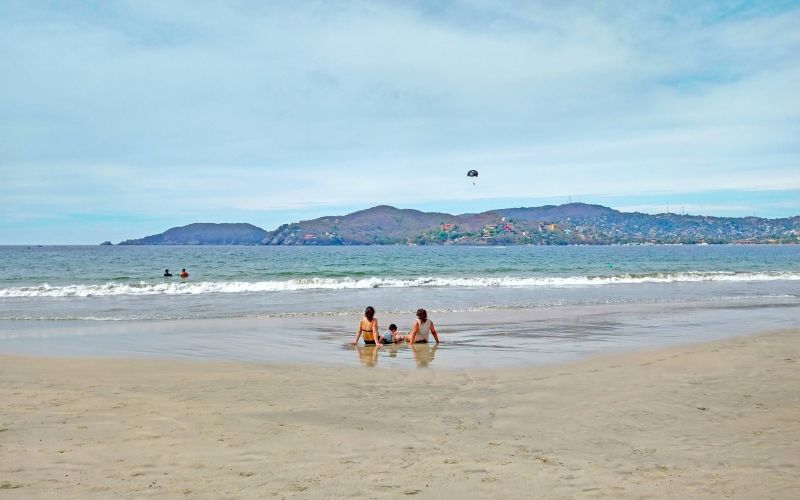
423 328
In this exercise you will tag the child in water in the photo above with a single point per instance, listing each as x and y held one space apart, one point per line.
391 336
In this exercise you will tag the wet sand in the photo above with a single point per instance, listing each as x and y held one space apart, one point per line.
495 339
712 420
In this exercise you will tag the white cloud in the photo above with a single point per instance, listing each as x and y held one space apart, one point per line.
170 107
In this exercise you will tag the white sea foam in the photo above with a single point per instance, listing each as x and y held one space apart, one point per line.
207 287
222 314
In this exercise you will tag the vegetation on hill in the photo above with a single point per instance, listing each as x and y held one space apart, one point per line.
205 234
573 223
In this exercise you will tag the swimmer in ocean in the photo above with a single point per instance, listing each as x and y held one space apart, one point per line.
167 274
184 274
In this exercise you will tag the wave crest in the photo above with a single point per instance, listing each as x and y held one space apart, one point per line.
206 287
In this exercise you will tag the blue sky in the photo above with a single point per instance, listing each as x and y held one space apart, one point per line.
121 119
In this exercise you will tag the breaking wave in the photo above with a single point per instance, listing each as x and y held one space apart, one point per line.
209 287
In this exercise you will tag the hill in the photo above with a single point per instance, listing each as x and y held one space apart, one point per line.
573 223
381 225
556 212
205 234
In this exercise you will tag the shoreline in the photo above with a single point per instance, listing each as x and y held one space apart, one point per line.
704 420
494 339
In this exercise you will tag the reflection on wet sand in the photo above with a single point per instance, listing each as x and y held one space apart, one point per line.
368 354
423 353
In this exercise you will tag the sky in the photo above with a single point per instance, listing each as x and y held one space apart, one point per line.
121 119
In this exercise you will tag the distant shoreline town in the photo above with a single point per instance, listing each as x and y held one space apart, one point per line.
569 224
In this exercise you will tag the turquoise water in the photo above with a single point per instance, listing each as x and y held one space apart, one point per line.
79 265
107 282
245 302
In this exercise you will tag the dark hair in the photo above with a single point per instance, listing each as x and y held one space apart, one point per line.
369 312
422 314
392 327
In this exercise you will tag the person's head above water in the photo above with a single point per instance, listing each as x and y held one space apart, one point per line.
392 327
422 314
369 312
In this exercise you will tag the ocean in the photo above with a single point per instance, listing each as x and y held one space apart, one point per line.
493 305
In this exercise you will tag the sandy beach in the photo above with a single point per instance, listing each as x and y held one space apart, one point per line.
712 420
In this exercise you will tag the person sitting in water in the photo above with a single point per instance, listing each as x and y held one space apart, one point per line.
167 274
368 327
423 327
392 336
184 274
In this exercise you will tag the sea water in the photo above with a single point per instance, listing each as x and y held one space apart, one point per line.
254 303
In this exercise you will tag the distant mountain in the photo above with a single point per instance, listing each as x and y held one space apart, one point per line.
573 223
381 225
556 212
205 234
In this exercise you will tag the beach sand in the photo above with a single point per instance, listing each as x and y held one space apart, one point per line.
712 420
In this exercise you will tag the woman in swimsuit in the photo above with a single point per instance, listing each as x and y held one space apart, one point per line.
423 327
368 327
